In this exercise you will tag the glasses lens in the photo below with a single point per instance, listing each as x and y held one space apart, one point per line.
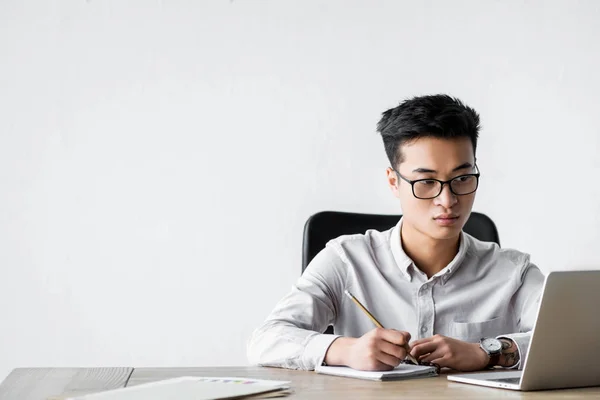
427 189
464 184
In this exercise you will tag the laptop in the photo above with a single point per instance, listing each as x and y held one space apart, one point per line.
565 341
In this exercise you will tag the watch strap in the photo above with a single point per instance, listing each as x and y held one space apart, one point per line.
494 359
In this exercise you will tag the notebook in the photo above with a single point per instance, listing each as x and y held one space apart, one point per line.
194 388
402 371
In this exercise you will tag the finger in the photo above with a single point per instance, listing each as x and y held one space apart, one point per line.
421 341
399 338
436 355
392 349
379 366
441 362
406 335
424 348
388 359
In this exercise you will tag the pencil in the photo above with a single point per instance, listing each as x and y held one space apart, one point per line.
377 323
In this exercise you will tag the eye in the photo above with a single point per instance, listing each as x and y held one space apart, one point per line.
462 179
428 182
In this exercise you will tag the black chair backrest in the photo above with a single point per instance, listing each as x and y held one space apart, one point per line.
326 225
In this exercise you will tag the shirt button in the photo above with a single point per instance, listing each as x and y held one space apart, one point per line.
423 329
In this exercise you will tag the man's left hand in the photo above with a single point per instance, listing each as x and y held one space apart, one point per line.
450 353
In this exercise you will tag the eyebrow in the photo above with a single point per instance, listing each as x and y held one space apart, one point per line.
432 171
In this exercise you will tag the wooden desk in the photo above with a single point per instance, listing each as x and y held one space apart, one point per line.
41 383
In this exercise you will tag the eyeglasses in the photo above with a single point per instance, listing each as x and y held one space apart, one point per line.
430 188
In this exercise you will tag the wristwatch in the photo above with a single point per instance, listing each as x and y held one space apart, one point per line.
493 348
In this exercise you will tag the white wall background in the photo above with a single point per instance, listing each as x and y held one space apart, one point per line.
158 159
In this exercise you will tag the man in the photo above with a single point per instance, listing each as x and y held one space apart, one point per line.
425 279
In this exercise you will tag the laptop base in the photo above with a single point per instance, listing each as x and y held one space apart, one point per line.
501 379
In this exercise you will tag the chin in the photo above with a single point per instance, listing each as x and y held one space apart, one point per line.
445 233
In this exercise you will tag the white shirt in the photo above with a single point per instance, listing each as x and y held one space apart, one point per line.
485 291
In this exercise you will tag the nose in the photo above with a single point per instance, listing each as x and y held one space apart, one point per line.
446 199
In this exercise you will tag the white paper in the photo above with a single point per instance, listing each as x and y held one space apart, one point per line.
190 388
401 371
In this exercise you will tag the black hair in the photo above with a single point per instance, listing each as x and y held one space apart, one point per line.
439 116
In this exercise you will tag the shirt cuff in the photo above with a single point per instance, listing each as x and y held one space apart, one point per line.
521 340
315 350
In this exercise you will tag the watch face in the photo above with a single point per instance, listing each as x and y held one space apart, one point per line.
491 345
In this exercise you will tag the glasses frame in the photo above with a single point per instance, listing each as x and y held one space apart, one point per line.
449 182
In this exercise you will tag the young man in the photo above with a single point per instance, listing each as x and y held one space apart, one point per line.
466 304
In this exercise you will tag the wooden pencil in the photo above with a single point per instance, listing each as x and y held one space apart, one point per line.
377 323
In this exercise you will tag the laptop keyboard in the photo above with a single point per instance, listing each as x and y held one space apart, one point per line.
507 380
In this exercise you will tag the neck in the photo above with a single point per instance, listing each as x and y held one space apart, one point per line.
429 255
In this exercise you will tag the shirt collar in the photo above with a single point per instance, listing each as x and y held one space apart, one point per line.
404 262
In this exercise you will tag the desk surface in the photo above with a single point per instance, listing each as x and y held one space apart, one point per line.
44 383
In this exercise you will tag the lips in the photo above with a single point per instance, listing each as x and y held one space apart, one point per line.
446 220
447 216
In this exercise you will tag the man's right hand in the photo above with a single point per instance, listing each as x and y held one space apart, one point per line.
377 350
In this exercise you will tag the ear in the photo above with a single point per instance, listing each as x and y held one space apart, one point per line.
393 181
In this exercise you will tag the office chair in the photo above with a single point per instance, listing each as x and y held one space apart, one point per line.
326 225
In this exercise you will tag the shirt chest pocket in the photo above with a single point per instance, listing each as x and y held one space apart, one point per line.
474 331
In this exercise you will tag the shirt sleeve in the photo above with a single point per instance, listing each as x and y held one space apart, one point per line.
526 302
291 336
